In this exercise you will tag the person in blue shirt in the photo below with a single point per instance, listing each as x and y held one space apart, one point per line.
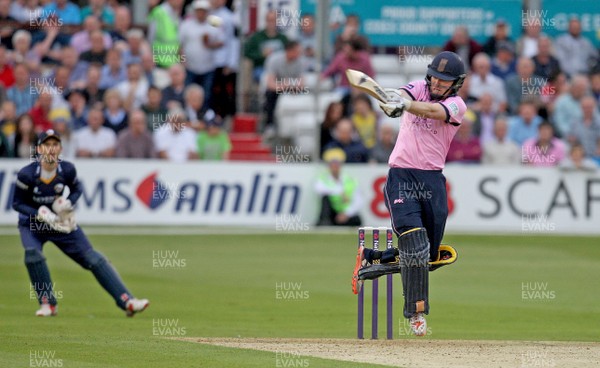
44 194
525 125
100 10
57 14
65 11
355 150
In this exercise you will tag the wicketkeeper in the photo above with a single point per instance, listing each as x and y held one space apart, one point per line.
45 192
415 191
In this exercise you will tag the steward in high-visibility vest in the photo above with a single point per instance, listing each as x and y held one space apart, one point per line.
164 23
341 200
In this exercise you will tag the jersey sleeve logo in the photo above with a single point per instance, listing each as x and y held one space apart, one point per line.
453 107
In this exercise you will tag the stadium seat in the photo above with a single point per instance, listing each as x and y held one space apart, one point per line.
416 77
386 64
287 107
417 65
391 80
311 80
304 131
324 100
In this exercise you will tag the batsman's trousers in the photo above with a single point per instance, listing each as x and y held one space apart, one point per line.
417 198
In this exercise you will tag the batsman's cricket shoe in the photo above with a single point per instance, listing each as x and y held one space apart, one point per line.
134 306
418 324
378 269
360 262
46 310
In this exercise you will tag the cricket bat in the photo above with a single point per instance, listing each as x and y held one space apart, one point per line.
363 82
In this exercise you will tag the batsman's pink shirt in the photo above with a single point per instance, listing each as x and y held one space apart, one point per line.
424 143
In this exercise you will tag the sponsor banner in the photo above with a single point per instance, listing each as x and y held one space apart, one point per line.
431 23
523 200
554 18
480 199
155 192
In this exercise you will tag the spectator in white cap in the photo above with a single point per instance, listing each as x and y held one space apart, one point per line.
199 40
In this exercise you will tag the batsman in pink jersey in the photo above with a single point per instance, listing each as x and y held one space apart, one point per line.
415 192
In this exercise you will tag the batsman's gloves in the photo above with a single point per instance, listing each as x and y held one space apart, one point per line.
446 256
393 95
66 226
396 104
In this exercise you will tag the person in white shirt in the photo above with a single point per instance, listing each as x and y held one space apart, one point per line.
176 141
567 107
574 52
134 90
193 101
95 140
199 40
527 44
483 81
577 161
501 151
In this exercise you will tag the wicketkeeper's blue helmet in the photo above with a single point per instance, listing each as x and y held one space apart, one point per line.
446 66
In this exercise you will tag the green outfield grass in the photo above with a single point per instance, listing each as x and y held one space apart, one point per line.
227 286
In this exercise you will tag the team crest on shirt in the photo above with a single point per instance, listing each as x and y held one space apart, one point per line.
58 188
36 190
453 107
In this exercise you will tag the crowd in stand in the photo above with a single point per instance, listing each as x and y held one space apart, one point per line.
88 74
165 90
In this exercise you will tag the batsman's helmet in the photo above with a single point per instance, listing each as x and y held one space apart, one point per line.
446 66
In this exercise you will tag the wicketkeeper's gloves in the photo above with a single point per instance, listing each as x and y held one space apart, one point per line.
62 205
396 104
64 209
44 214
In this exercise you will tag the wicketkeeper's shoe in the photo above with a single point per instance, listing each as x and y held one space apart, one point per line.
46 310
418 324
360 262
134 306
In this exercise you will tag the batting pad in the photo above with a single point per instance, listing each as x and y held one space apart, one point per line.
39 276
414 265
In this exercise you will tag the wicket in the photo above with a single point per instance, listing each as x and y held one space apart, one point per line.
375 293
